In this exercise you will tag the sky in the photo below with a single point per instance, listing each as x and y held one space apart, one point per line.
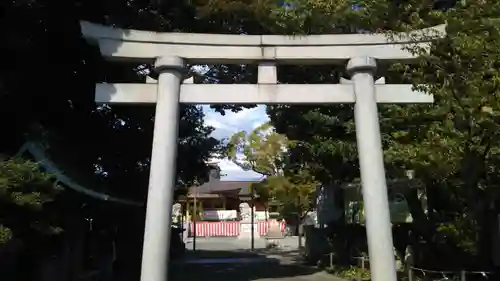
226 126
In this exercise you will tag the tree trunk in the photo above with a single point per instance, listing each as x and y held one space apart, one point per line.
487 220
421 222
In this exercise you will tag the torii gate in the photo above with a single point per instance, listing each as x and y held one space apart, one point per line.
171 51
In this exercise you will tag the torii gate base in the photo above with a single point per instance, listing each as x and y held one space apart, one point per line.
361 53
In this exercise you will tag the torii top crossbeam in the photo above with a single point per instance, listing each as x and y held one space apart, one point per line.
146 46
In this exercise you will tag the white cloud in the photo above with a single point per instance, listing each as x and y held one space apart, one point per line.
227 165
233 172
216 124
226 126
245 120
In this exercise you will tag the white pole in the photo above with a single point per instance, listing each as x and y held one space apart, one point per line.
374 186
252 243
162 178
195 215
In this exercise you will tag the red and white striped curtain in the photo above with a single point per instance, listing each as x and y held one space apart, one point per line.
228 228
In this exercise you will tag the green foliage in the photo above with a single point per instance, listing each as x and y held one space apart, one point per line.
350 272
294 192
265 151
5 234
24 192
461 72
23 184
452 142
323 139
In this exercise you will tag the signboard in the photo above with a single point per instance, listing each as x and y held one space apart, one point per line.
220 214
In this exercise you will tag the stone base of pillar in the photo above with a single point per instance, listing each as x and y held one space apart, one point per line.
246 230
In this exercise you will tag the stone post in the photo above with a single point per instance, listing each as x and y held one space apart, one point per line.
371 163
162 176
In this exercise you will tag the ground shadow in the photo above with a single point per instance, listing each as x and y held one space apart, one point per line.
239 265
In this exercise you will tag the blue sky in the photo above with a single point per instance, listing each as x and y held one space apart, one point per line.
226 126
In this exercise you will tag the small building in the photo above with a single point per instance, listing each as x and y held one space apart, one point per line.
219 200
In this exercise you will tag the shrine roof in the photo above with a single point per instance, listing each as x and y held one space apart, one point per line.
241 188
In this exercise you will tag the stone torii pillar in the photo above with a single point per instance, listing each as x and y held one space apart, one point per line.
162 178
371 164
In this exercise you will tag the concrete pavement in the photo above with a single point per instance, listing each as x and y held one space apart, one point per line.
231 259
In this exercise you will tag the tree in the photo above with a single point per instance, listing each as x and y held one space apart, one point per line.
25 192
266 152
263 150
294 192
457 155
